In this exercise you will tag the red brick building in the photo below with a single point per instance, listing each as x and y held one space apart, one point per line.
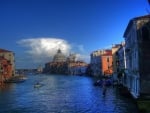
106 63
5 69
7 65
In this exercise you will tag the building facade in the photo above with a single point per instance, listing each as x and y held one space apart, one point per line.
137 39
65 65
101 62
106 63
77 68
95 63
115 48
121 64
7 64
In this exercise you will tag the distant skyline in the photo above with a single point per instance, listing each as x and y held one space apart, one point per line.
35 29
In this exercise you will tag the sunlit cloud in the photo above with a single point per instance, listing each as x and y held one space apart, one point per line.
42 50
83 57
45 46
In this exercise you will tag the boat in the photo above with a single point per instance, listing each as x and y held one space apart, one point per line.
38 85
16 79
108 82
98 83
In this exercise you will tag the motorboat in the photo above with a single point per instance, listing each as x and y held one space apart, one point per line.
38 85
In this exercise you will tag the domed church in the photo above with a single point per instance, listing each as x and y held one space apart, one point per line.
59 57
62 64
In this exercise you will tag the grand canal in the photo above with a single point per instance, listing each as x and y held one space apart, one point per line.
62 94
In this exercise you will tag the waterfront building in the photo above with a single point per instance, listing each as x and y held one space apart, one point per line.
106 63
5 69
77 68
137 39
121 64
101 62
71 58
114 49
39 69
65 65
95 62
7 65
58 65
59 57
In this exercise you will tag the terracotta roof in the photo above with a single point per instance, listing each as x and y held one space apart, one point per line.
4 50
131 22
108 53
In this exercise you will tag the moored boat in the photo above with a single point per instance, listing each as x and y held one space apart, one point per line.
108 82
16 79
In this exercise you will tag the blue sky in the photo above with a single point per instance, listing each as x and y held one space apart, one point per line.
35 29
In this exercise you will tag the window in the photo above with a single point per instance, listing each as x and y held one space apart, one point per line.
107 59
145 34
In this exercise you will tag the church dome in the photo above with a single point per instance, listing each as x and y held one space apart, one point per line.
59 57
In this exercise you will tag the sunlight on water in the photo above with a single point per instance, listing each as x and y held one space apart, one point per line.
61 94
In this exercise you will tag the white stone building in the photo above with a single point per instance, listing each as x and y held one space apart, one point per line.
137 39
121 63
95 62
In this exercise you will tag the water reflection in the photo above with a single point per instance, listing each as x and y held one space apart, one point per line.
62 94
6 87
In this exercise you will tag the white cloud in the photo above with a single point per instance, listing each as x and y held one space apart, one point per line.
83 57
42 50
45 46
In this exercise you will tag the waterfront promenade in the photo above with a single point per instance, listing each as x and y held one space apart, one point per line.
62 94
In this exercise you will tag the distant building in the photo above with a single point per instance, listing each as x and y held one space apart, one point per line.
95 63
101 62
137 39
39 69
71 58
58 65
7 64
106 63
59 57
77 68
121 64
65 65
115 48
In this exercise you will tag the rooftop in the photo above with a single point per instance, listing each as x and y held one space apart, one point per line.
134 19
4 50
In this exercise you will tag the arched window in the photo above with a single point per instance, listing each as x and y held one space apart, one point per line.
145 34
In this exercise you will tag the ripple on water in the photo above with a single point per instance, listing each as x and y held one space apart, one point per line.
62 94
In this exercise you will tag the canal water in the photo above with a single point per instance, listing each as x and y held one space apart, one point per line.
62 94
